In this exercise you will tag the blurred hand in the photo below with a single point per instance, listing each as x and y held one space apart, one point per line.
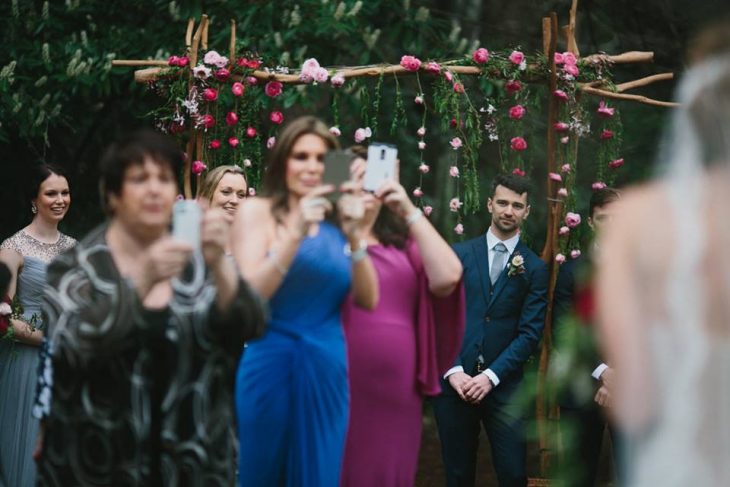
164 260
477 388
394 196
215 231
607 377
458 380
312 210
351 211
603 397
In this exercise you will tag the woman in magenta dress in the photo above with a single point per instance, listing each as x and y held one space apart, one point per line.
398 351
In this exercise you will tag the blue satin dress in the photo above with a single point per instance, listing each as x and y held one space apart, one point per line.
291 387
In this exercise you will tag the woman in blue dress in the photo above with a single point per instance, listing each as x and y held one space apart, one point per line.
291 387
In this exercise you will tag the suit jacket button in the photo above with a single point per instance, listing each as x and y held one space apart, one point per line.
487 319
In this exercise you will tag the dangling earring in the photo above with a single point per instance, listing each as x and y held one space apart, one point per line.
33 208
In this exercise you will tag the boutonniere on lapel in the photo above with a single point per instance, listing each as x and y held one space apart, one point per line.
516 265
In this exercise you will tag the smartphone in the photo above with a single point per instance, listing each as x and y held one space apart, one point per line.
382 165
337 169
186 216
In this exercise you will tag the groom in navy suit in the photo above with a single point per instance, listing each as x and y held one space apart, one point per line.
506 298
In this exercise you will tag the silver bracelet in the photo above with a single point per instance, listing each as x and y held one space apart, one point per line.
414 217
277 265
360 253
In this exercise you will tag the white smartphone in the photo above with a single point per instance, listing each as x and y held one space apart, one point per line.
382 165
186 216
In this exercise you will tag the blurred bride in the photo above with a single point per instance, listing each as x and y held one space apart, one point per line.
664 293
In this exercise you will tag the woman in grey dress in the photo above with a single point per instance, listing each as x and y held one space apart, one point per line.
27 254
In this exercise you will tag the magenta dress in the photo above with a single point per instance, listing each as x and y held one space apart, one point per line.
396 354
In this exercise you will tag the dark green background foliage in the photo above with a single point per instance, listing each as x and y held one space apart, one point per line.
61 102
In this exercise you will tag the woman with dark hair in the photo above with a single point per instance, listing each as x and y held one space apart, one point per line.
145 334
398 351
291 386
27 254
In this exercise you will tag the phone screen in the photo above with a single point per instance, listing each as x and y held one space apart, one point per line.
337 168
382 165
186 216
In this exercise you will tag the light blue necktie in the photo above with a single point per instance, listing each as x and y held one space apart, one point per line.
500 257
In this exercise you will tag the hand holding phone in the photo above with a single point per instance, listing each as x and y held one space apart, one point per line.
186 216
382 165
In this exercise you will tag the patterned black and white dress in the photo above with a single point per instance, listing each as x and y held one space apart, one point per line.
140 397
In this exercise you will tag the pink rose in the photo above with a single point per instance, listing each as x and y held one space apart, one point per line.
553 176
560 95
454 172
572 220
421 131
433 67
519 172
198 167
276 117
233 141
418 100
321 75
606 134
560 258
518 143
456 143
410 63
231 118
310 65
273 89
270 142
360 135
574 254
562 193
215 59
222 74
563 231
215 144
424 168
449 76
604 111
616 163
173 60
247 163
516 57
183 61
569 58
458 88
252 191
335 131
251 132
207 121
427 210
252 80
481 56
421 145
561 127
237 88
337 80
517 112
459 229
558 58
512 86
455 204
565 168
417 192
598 185
571 69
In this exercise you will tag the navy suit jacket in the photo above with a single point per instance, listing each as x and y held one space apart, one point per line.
504 322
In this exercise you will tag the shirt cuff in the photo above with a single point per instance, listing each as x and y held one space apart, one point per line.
453 370
598 371
492 376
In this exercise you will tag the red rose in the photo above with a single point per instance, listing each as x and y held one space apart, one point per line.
222 74
513 86
231 118
210 94
215 144
233 142
237 89
207 121
276 117
518 143
250 132
517 112
273 89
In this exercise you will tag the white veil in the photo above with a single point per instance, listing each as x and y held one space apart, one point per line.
684 440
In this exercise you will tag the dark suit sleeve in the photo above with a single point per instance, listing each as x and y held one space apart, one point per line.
459 250
531 324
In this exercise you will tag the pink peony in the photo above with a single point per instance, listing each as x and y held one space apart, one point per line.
418 100
559 58
215 59
270 142
604 111
207 121
454 172
251 132
410 63
231 118
198 167
427 210
565 168
519 172
518 143
424 168
421 131
449 76
562 193
321 75
309 70
553 176
606 134
456 143
459 229
563 231
337 80
516 57
572 219
222 74
210 94
616 163
237 88
481 56
571 69
273 89
561 127
560 95
252 80
421 145
574 254
513 86
598 185
433 67
569 58
517 112
214 144
335 131
560 258
417 192
252 191
455 204
458 88
233 141
276 117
